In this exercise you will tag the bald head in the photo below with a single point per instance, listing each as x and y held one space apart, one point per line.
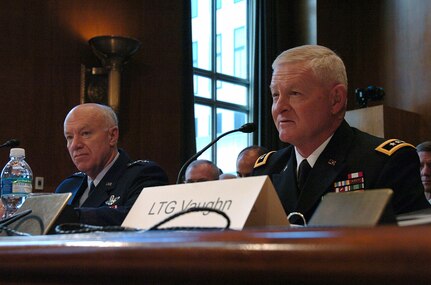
91 132
246 159
201 170
98 112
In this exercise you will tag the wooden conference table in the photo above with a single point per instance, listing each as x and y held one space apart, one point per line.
378 255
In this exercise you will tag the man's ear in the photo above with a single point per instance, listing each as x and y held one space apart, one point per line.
113 135
338 97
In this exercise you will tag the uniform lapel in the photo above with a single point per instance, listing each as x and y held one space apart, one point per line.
99 195
329 165
319 182
287 188
103 190
77 193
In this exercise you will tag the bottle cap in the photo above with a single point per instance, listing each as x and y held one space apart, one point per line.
17 152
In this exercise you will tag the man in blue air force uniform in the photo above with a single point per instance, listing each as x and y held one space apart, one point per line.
309 90
109 182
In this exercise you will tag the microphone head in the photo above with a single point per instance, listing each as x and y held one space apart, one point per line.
247 128
11 143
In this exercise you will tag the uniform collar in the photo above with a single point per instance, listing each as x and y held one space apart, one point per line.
100 176
312 158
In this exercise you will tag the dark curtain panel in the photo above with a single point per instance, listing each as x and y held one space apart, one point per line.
188 143
265 53
279 26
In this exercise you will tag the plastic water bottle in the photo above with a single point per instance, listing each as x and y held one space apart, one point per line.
16 181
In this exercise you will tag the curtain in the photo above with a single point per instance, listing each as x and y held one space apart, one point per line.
188 143
279 26
264 55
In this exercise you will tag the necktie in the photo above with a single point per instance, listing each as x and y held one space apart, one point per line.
92 186
86 193
303 171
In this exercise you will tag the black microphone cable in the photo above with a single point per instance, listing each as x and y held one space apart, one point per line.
191 210
75 228
9 220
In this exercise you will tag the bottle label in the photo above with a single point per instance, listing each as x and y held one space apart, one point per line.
6 185
21 186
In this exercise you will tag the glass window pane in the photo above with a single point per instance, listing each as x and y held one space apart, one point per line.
231 93
233 32
218 4
194 8
240 60
201 34
223 49
203 129
229 146
218 53
202 86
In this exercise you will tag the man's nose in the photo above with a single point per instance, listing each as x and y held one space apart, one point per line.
426 170
283 103
74 143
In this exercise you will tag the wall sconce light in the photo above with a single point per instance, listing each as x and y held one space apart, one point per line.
113 52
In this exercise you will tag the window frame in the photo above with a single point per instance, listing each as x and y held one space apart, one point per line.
217 78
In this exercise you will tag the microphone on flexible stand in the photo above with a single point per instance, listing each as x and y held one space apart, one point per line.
246 128
10 143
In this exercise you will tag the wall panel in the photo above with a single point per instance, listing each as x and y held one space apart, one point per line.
386 43
44 42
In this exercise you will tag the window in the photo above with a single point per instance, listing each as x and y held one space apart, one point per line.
240 60
222 77
194 8
218 4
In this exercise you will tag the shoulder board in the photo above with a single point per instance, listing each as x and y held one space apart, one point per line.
263 159
390 146
137 162
78 174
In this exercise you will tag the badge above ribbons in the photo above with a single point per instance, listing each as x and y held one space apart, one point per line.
248 202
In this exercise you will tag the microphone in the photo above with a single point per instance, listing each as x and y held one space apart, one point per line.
10 143
246 128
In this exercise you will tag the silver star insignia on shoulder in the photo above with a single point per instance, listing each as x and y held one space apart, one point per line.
390 146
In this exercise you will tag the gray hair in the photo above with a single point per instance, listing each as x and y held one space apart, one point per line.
326 65
108 114
425 146
215 171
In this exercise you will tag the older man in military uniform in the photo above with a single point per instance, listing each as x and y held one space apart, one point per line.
309 91
109 182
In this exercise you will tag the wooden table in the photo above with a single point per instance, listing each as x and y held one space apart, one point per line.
380 255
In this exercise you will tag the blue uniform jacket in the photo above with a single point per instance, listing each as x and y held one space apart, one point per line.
116 193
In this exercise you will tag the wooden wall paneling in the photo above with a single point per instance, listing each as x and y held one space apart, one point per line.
407 61
386 122
352 29
386 44
45 42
